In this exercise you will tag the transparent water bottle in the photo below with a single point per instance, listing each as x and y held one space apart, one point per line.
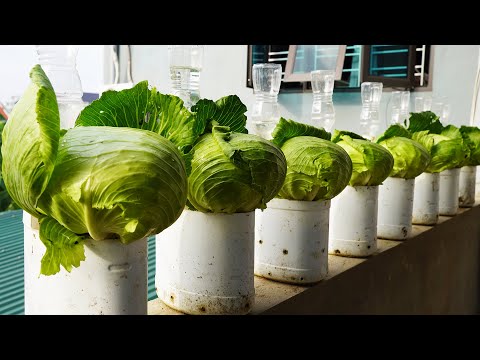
323 112
265 112
370 115
185 67
400 111
423 103
60 64
441 108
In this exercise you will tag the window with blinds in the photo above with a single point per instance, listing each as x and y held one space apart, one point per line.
399 66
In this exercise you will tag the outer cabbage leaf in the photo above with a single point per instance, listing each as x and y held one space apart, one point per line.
6 202
287 129
425 120
30 142
226 111
394 130
64 247
147 109
338 135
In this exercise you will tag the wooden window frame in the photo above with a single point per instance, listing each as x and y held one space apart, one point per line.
407 83
290 76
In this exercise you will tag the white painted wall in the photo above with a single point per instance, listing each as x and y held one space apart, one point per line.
17 60
454 75
224 73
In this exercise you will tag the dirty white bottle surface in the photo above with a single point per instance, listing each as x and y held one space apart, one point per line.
425 199
448 193
466 191
204 263
111 281
353 222
291 241
395 207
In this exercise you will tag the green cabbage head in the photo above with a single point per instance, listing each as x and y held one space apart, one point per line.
410 157
317 169
371 163
234 172
471 138
88 182
444 143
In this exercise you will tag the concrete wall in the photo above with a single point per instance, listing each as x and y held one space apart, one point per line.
436 272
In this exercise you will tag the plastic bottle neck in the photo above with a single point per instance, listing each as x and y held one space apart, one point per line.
185 83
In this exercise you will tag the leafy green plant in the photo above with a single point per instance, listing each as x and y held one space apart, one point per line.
444 143
471 139
371 163
92 182
317 169
410 157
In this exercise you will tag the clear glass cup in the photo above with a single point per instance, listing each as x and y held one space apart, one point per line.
186 62
323 111
400 107
266 86
370 115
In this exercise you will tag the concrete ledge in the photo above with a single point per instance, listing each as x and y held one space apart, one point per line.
434 272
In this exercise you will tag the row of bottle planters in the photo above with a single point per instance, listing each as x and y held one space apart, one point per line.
205 263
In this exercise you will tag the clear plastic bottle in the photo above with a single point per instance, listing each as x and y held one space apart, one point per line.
323 112
370 115
400 111
265 112
441 108
423 103
185 67
60 64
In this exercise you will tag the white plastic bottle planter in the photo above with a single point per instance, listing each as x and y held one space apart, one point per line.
111 281
204 263
448 196
353 222
425 199
395 206
466 191
291 241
